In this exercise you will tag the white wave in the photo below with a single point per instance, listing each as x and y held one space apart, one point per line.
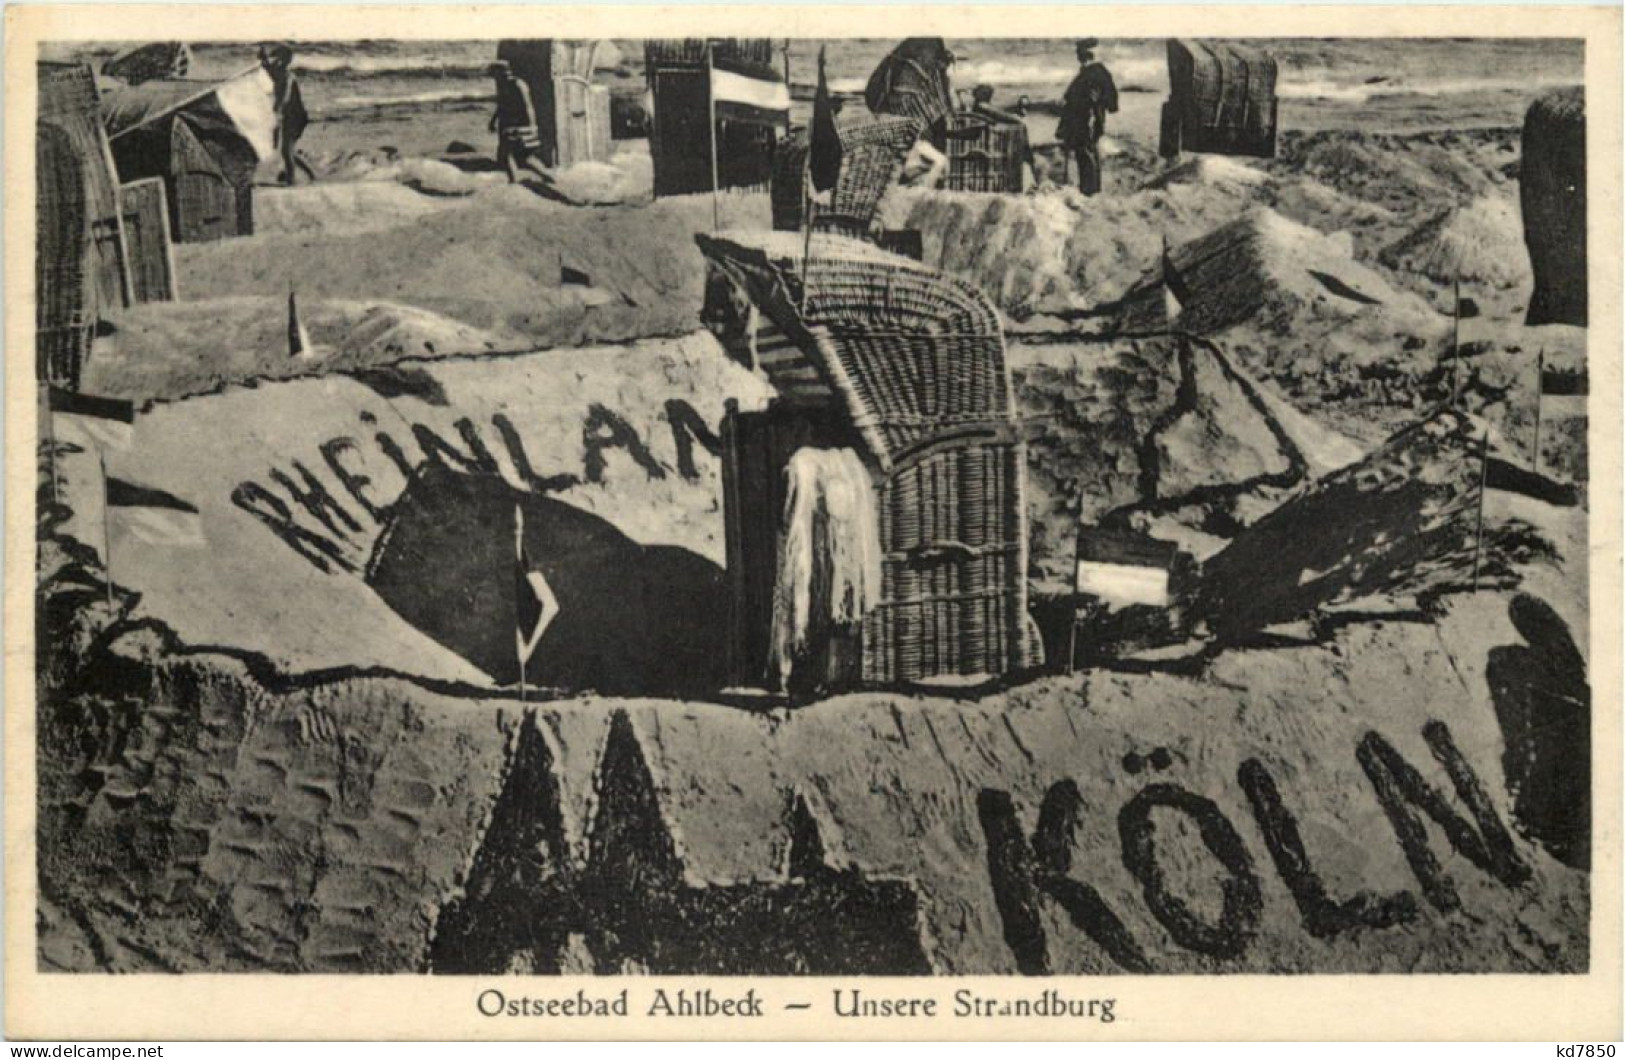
1129 73
373 65
444 95
997 72
1320 88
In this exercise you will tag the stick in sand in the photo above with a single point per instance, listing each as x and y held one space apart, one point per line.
1455 344
107 535
1483 479
1540 394
518 605
806 236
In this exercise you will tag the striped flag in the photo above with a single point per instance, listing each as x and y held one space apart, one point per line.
1120 568
535 607
107 423
152 516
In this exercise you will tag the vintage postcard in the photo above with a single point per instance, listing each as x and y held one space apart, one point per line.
812 522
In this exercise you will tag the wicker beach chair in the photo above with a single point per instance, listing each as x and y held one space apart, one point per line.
985 155
872 156
907 365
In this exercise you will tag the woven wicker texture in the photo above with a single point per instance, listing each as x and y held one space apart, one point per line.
915 361
150 62
64 306
69 101
1221 100
146 228
872 156
992 160
912 82
1552 187
748 55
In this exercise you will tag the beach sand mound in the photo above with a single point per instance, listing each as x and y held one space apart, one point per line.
1209 169
1156 432
1057 250
363 824
1481 242
297 480
503 262
1277 276
171 350
1410 174
339 208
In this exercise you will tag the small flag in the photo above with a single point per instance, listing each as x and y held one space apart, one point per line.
152 516
1120 568
535 605
1473 334
824 152
106 422
1174 292
299 344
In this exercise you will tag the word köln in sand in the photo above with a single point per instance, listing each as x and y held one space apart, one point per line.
1027 871
322 512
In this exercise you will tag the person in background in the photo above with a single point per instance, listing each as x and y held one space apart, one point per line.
289 106
982 104
1089 98
519 138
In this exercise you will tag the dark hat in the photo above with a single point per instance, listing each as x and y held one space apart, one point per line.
1088 44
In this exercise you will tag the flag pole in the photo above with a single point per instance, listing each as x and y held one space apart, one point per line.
811 204
1455 345
519 633
107 535
1540 395
711 132
1483 480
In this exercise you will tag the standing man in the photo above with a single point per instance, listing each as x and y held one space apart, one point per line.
1089 98
519 138
289 107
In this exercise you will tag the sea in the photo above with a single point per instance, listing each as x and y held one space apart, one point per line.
343 77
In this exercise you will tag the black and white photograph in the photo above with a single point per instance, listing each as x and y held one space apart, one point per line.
762 507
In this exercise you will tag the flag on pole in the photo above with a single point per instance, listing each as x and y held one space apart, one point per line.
299 344
1120 568
152 516
824 152
534 604
106 423
1174 292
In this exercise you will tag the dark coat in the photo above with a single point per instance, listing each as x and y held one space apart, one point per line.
1089 98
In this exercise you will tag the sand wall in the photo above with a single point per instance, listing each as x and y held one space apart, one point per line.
1282 813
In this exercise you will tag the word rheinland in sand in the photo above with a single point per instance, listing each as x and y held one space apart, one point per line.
1028 871
329 514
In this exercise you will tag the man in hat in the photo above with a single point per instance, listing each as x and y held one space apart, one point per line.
1089 98
519 138
289 107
